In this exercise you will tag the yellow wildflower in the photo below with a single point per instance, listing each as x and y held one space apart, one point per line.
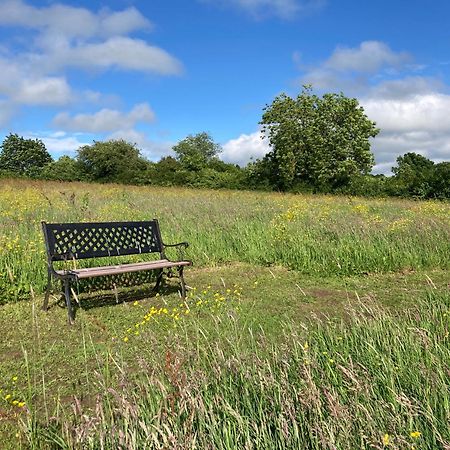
415 434
386 440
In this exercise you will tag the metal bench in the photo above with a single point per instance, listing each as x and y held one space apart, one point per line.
75 241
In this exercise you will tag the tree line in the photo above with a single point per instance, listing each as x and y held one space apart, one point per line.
317 144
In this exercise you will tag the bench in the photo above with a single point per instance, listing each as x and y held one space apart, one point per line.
76 241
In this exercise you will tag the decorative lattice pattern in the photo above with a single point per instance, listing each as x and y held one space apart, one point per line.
89 285
90 240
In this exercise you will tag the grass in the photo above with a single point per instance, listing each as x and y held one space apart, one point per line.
316 235
312 322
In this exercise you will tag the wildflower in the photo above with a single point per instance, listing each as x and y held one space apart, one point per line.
21 404
136 303
14 379
331 361
125 339
415 434
386 440
8 396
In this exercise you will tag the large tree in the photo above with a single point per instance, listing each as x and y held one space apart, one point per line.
111 161
413 175
320 141
23 156
195 151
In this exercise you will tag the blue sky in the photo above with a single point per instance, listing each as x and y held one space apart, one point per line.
152 72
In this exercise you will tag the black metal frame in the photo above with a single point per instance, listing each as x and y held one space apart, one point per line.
73 241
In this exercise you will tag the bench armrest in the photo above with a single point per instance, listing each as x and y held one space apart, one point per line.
180 246
185 244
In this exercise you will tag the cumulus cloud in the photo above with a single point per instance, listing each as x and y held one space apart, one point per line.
152 150
410 110
59 143
105 120
284 9
369 57
59 36
21 88
116 52
69 21
244 148
423 112
43 91
350 68
410 122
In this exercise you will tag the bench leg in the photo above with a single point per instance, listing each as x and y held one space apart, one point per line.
182 283
47 292
68 303
158 281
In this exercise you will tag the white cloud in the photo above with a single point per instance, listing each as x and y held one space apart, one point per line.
71 22
285 9
410 110
49 39
43 91
411 122
369 57
116 52
424 112
243 148
349 69
150 149
21 88
105 120
59 142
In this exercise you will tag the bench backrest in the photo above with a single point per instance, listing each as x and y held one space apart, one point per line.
65 241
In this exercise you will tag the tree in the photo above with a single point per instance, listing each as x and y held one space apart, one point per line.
23 156
441 180
321 141
63 169
111 161
413 175
195 152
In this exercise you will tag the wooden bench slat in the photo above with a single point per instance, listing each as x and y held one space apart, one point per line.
92 272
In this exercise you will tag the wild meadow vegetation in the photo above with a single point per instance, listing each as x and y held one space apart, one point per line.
311 322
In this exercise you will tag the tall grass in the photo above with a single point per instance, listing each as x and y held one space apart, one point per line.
375 380
313 234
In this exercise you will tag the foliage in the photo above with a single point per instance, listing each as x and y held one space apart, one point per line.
321 141
23 156
63 169
195 151
440 180
111 161
413 175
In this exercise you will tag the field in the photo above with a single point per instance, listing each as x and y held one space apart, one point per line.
311 322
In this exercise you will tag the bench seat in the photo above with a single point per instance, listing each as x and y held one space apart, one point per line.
91 272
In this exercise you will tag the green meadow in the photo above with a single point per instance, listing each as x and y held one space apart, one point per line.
316 322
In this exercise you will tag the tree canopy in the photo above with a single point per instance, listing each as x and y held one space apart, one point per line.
195 151
317 141
23 156
111 161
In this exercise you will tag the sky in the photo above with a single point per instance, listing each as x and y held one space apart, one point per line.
154 71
